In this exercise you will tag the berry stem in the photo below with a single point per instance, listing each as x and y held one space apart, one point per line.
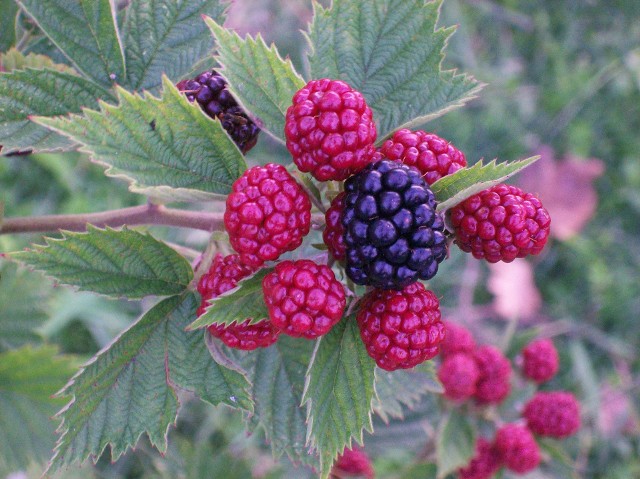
148 214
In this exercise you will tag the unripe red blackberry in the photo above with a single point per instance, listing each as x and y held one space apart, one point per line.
517 448
435 157
540 360
267 214
209 89
223 275
458 339
393 234
330 130
458 374
400 329
304 299
494 383
485 463
554 414
501 224
333 234
353 462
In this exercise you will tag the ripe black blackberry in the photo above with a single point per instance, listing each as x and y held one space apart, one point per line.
209 89
393 234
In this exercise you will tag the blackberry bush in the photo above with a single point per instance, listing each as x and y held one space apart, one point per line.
305 293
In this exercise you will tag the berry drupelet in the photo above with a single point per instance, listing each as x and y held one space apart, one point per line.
393 234
540 361
330 130
400 329
267 214
494 381
223 275
333 234
554 414
501 223
435 157
517 448
209 89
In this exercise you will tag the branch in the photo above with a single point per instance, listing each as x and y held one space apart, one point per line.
148 214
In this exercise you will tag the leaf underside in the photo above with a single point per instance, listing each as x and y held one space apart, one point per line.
129 388
391 51
454 189
166 148
455 443
118 263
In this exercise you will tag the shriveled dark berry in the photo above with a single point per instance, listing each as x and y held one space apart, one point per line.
209 89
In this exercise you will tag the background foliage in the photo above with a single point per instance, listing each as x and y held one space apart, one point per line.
563 81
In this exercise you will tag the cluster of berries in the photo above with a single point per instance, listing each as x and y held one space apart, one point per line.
484 374
384 226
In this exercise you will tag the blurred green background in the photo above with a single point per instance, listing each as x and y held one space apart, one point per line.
563 81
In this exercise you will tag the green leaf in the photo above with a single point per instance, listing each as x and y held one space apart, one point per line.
86 32
339 392
45 93
164 147
391 51
455 443
399 389
245 301
119 263
28 378
129 388
278 382
22 304
15 60
261 81
166 37
9 11
454 189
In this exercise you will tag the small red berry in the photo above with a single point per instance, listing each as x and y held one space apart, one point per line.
540 360
333 234
267 214
401 329
501 224
353 462
223 275
458 374
330 130
458 339
304 299
518 448
484 464
555 414
494 384
435 157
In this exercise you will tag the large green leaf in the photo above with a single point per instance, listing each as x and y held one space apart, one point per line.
402 389
14 59
339 392
166 37
453 189
259 78
455 442
391 51
86 32
278 382
129 388
22 305
245 301
45 93
119 263
165 147
9 11
28 378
